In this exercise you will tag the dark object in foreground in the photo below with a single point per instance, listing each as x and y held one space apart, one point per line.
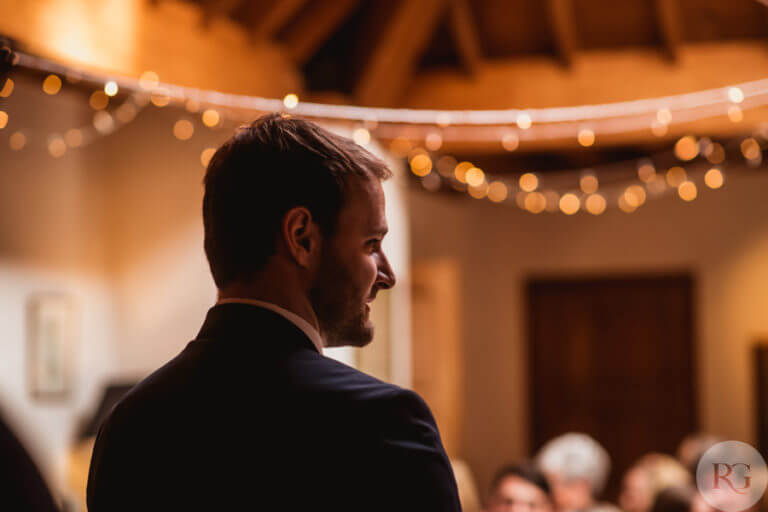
21 485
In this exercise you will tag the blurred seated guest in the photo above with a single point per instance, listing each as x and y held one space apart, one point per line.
468 496
692 447
21 485
674 499
520 488
647 477
577 468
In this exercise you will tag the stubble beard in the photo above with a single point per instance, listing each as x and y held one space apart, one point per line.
342 318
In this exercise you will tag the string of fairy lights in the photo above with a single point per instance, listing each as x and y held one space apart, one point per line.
419 136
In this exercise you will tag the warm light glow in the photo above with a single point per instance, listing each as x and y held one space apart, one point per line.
475 177
675 176
735 94
183 129
479 191
3 119
7 88
510 141
73 138
57 147
735 114
529 182
400 146
553 201
51 84
361 136
716 154
524 121
659 129
431 182
206 155
664 116
588 183
103 122
17 141
445 165
211 118
149 80
290 100
110 88
160 98
646 171
595 204
126 112
569 203
461 171
520 199
433 141
443 119
634 195
687 148
624 205
421 165
98 100
497 192
586 137
750 148
714 178
192 106
535 202
656 185
687 191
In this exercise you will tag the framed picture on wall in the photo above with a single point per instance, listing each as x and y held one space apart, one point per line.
51 333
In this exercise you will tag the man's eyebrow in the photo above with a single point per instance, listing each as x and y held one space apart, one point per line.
381 230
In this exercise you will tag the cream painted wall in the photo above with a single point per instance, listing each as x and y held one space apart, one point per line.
722 238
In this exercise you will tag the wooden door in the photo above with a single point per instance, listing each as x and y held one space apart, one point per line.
613 358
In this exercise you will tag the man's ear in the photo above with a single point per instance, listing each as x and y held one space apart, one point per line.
301 236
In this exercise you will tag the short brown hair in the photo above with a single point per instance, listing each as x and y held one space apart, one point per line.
274 164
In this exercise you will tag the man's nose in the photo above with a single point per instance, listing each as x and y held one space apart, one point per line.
386 276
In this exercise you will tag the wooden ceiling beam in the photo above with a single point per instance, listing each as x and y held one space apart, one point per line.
314 26
670 29
266 25
402 41
465 35
563 29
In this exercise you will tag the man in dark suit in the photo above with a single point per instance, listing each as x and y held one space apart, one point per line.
251 415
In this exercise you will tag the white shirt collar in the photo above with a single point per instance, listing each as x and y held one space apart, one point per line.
292 317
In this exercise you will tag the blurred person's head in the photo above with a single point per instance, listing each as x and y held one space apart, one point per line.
577 468
692 447
674 499
294 215
650 475
520 488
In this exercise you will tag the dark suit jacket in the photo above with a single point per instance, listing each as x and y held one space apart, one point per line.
249 416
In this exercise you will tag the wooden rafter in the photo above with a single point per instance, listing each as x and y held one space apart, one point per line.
268 23
314 26
563 29
400 44
465 35
668 16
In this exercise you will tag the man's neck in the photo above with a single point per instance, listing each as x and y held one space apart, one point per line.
292 302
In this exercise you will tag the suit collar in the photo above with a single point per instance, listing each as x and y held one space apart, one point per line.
247 321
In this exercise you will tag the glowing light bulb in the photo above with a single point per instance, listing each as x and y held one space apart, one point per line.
291 100
361 136
570 203
524 121
714 178
595 204
529 182
497 192
586 137
51 84
111 88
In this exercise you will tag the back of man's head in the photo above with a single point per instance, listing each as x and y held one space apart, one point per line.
265 169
